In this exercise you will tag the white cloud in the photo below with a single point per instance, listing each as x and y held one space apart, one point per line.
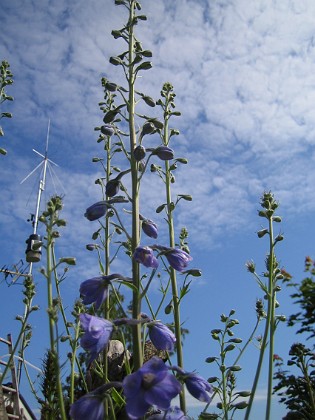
243 78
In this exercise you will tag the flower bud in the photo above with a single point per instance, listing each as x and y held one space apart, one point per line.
262 233
150 228
149 101
107 130
116 61
112 187
111 87
193 272
235 368
96 211
168 309
68 260
241 405
164 153
139 153
147 128
213 379
251 266
91 247
210 360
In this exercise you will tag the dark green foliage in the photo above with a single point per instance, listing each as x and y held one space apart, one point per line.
6 79
49 405
298 392
305 298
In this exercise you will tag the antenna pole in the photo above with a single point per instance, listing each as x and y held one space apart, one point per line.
42 182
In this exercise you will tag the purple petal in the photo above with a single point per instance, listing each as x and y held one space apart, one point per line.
163 392
161 336
87 407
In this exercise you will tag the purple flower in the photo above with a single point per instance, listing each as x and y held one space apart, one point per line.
177 258
88 407
164 153
95 290
161 336
96 211
173 413
151 385
97 332
198 387
149 228
144 255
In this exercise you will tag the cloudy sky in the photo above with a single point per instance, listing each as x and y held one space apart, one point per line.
243 73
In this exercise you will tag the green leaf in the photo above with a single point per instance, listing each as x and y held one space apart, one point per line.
130 285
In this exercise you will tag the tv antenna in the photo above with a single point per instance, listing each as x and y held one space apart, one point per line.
34 242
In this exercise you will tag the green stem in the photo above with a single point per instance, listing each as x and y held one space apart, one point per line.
269 321
176 303
21 333
52 315
74 359
49 290
223 378
271 308
136 301
235 362
106 268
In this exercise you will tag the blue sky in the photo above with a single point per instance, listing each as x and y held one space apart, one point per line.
243 73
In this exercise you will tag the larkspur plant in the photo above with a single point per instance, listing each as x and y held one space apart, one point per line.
6 79
126 369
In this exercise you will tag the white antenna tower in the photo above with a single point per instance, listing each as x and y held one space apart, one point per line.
33 251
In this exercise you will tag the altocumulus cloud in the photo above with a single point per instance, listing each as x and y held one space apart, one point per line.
243 77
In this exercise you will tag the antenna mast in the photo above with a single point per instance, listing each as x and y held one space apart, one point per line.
34 242
42 182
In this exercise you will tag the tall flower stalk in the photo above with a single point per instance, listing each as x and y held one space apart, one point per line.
168 105
135 188
273 274
50 218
